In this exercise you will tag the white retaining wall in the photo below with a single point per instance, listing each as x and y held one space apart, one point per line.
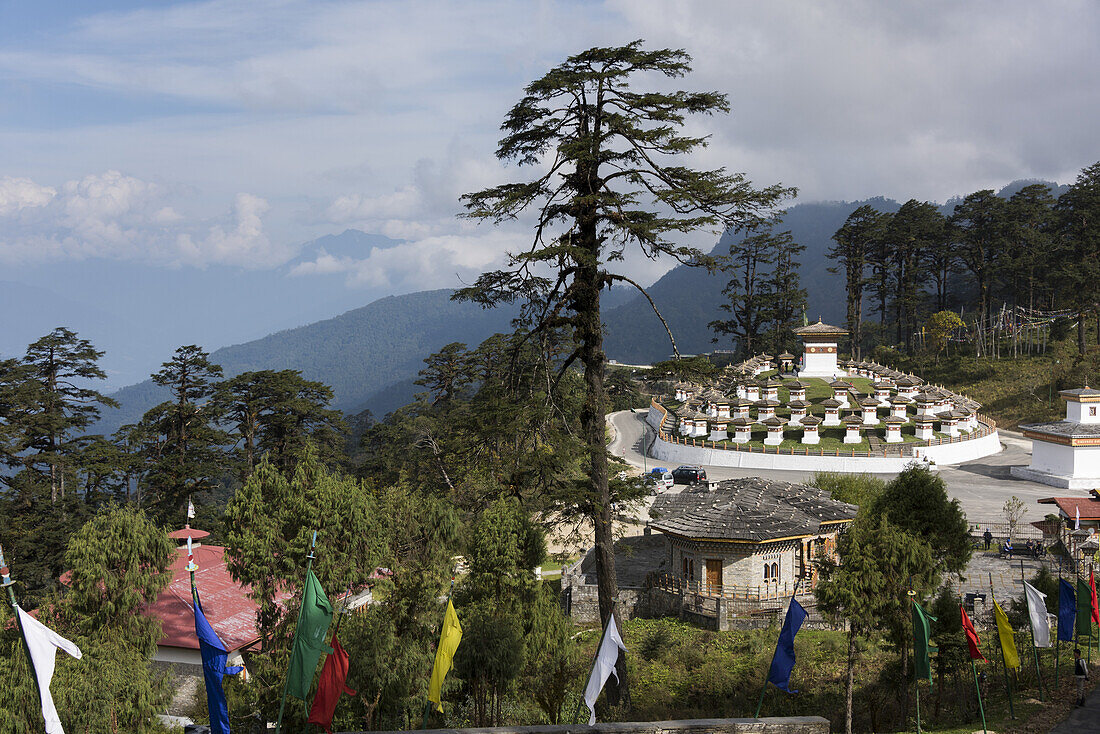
948 453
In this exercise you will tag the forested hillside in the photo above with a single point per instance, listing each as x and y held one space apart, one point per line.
359 354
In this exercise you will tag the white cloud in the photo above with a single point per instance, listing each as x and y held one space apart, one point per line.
115 216
20 193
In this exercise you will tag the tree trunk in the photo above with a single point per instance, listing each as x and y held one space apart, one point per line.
589 332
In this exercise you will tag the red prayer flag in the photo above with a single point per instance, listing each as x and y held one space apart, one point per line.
330 685
972 640
1095 609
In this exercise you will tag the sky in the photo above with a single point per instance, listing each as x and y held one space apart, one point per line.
189 150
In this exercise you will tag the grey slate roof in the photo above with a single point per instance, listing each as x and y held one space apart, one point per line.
819 328
1072 429
752 509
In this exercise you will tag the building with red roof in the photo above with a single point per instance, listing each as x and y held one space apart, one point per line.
226 604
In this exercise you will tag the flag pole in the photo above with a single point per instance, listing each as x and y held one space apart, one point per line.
974 669
428 705
1058 637
764 689
1034 650
595 656
916 678
1000 646
981 707
286 681
347 601
7 583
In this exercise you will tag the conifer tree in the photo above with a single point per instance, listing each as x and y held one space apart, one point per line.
53 405
186 458
609 177
854 240
1078 231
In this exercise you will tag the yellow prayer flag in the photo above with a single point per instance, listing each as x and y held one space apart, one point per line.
1008 642
448 643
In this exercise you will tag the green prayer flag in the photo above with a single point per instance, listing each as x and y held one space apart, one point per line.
1084 609
309 639
922 630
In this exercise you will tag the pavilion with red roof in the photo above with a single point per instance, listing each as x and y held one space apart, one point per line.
226 604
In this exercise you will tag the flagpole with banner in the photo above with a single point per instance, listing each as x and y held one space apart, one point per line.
779 673
332 683
40 644
922 632
603 666
1037 614
1004 630
286 681
214 656
450 635
1084 614
1067 614
595 656
972 643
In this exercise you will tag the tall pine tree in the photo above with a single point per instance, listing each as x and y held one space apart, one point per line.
608 178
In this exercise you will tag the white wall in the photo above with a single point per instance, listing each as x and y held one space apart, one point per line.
1067 461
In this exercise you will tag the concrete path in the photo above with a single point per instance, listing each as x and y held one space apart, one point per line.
1084 719
982 486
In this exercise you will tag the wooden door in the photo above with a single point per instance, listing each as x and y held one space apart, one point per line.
714 576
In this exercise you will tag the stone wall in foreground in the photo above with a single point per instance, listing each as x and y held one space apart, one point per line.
775 725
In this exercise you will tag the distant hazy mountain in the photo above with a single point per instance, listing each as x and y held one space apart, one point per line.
690 298
370 355
139 313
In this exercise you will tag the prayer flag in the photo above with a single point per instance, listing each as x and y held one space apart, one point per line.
190 510
449 637
1008 642
783 660
1037 611
1077 520
331 684
972 640
1084 609
1067 610
42 643
309 639
604 666
922 631
214 657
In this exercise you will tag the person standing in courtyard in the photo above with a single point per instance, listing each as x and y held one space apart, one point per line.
1081 673
987 537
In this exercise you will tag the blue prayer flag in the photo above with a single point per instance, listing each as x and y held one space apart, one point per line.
214 668
1067 610
783 660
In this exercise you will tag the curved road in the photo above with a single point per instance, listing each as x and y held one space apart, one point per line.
982 485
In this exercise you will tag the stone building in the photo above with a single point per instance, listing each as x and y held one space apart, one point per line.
751 538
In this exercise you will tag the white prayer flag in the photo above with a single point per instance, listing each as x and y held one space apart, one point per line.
43 643
604 666
1077 520
190 510
1037 611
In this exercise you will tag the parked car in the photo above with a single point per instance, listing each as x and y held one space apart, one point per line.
661 478
689 474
